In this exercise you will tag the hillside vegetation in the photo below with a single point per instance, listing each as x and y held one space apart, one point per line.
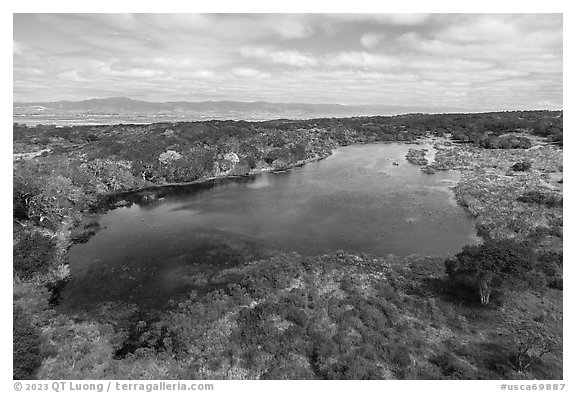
334 316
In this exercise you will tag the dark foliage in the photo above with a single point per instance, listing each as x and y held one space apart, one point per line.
33 252
522 166
496 142
491 265
55 288
27 342
485 129
551 128
451 367
550 264
541 198
22 191
150 335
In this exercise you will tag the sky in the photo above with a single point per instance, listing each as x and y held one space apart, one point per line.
477 62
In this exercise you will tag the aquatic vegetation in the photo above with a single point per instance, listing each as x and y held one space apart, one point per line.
417 157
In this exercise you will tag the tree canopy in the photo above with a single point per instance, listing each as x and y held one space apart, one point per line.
490 265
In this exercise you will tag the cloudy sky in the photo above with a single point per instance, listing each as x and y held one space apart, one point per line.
473 61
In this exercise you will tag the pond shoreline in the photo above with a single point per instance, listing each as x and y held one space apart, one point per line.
374 159
83 230
154 187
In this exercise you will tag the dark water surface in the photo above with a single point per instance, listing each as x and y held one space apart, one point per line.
355 200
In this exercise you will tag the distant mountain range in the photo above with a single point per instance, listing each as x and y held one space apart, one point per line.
126 109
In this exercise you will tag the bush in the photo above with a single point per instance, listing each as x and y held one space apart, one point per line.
33 253
557 283
400 356
41 195
22 191
533 341
26 338
510 142
148 336
541 198
451 367
550 264
522 166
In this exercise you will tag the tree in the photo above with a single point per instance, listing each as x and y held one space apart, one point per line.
490 265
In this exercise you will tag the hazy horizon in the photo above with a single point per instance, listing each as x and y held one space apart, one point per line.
271 102
207 100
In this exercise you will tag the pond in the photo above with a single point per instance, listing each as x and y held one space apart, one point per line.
363 198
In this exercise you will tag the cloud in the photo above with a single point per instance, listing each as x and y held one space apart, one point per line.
72 76
287 57
202 74
136 73
17 48
249 73
182 22
122 22
173 63
370 40
292 27
362 60
486 28
447 64
29 71
403 19
513 45
294 58
232 27
478 60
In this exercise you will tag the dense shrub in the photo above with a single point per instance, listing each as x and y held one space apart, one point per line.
27 341
557 283
42 193
510 142
451 367
550 264
552 128
22 192
541 198
33 252
148 336
298 151
522 166
400 355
